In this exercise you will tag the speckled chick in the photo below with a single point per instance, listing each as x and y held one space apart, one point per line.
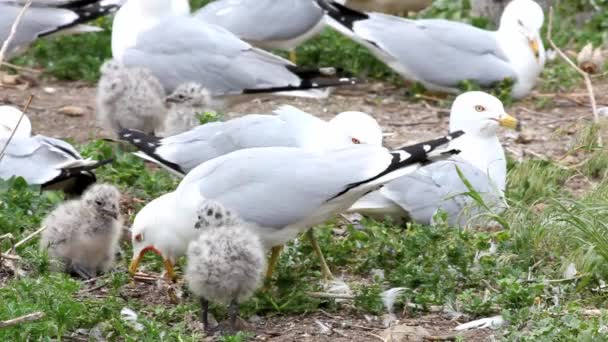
129 97
186 102
81 236
226 263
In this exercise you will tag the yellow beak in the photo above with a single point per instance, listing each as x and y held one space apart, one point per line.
508 121
533 43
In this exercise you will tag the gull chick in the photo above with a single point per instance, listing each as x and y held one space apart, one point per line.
81 236
226 263
129 97
187 102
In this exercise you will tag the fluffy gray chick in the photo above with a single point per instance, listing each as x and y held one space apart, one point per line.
129 97
226 263
82 235
186 102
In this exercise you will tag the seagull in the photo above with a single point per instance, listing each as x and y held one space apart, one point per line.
50 163
226 263
283 191
9 120
289 23
180 48
440 54
289 126
46 18
82 235
419 195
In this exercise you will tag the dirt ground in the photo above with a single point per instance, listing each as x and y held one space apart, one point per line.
547 133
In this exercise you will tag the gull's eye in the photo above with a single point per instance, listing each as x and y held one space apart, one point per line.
139 237
480 108
520 22
355 141
98 202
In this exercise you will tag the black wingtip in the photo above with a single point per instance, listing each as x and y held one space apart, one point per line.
148 144
342 14
86 10
420 152
307 84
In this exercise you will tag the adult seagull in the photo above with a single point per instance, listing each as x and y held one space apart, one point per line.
178 48
440 53
439 186
289 127
46 18
282 190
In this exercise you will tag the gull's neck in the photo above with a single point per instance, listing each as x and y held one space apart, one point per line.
485 153
515 47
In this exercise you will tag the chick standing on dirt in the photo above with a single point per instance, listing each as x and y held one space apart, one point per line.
129 97
81 236
187 101
226 263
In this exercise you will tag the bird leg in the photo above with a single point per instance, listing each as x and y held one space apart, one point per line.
233 311
80 271
274 258
170 272
292 56
205 314
327 275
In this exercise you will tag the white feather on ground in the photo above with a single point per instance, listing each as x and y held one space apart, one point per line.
129 97
81 236
483 323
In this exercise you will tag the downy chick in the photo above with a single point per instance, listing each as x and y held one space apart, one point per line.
226 263
186 102
82 235
129 97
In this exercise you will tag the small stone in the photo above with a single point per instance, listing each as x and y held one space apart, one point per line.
9 79
49 90
72 111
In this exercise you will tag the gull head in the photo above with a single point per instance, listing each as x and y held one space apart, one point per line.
103 199
525 17
9 117
361 128
158 228
479 114
190 94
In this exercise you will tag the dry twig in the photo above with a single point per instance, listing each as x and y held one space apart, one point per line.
23 319
25 240
13 31
585 75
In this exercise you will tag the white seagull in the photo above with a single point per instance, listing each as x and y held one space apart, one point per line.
51 163
289 127
178 48
482 162
45 18
282 190
440 53
289 23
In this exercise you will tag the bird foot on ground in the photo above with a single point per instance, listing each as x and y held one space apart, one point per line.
337 287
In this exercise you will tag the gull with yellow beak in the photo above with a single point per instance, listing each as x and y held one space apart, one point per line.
482 162
441 53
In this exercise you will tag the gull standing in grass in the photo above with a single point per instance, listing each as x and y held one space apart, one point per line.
288 127
441 54
179 49
419 195
226 263
51 163
283 191
81 236
43 19
268 24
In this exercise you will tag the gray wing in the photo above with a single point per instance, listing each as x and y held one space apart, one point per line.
35 23
180 50
437 186
277 186
290 127
438 51
37 159
263 20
